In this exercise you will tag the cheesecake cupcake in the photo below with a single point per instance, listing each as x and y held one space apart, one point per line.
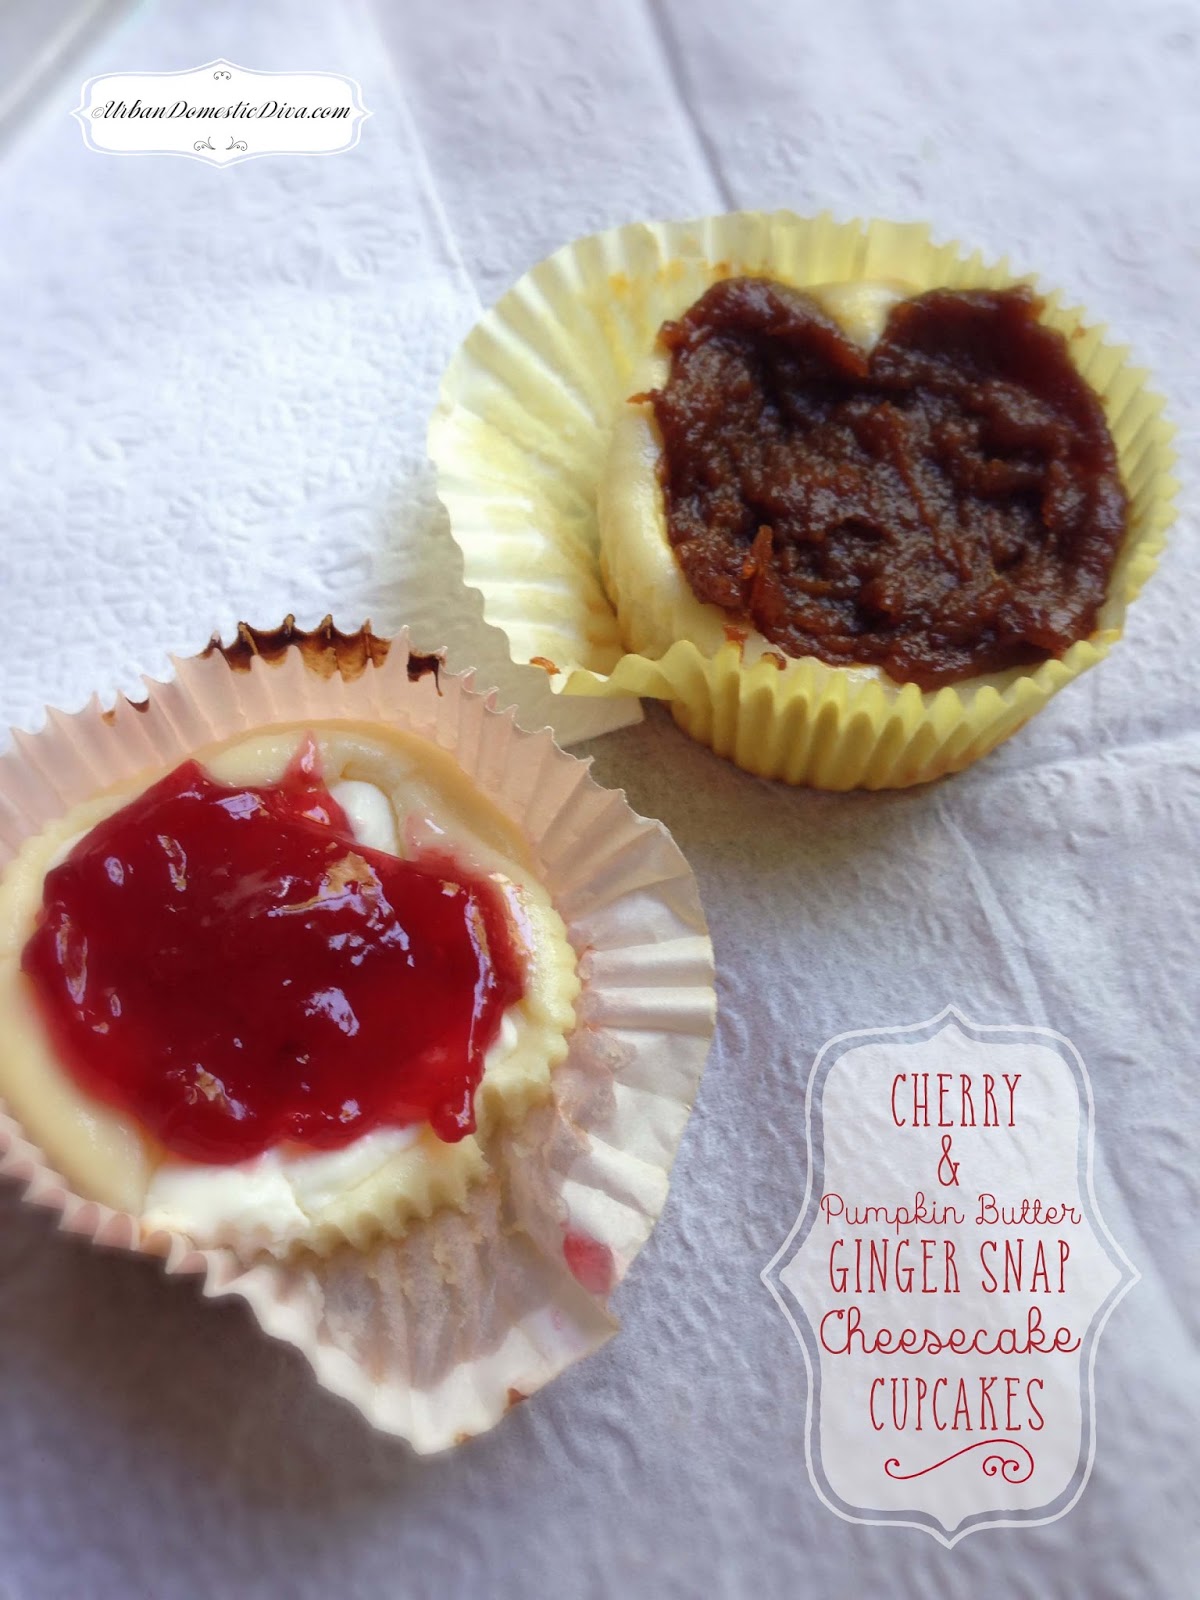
281 995
321 978
854 504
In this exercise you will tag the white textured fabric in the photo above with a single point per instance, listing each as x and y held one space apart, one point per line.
215 396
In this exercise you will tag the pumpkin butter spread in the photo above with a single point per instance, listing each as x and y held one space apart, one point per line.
936 496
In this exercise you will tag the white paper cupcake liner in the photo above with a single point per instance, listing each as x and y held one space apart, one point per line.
435 1335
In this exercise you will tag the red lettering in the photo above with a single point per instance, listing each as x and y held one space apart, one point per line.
991 1117
1011 1386
944 1080
1035 1383
987 1411
968 1104
876 1383
1011 1081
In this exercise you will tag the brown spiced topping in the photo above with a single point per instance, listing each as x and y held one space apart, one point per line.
946 505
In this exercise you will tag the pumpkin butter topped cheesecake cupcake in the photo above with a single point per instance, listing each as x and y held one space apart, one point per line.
854 504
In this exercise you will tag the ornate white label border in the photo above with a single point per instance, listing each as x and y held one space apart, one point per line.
781 1278
221 113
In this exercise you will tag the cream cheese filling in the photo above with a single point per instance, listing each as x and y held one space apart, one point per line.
401 795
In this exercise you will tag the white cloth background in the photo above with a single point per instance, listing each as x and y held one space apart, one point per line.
215 390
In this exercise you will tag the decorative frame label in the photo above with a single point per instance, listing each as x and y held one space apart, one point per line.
221 113
949 1276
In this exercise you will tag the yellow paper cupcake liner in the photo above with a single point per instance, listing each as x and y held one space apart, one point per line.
520 436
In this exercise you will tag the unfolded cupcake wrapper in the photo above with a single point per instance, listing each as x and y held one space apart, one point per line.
436 1334
519 440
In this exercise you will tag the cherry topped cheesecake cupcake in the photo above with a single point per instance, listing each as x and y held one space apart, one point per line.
855 504
279 996
323 979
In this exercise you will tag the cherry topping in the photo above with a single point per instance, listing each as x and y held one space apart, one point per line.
229 966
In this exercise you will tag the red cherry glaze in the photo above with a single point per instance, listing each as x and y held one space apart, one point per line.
230 967
591 1263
